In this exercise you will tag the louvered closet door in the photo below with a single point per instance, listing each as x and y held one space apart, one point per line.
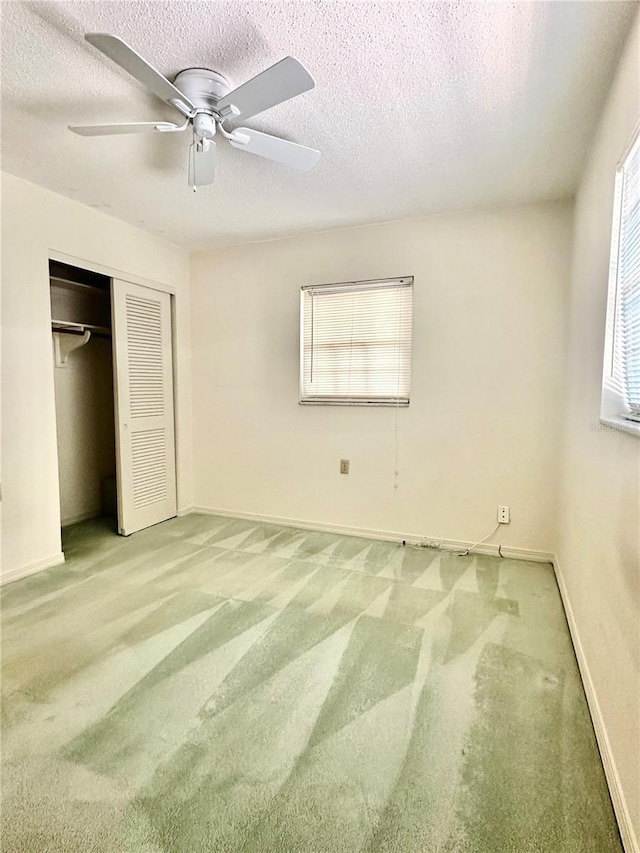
145 440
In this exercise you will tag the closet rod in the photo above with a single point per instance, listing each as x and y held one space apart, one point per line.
79 328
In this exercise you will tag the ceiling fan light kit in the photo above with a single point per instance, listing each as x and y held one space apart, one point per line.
206 101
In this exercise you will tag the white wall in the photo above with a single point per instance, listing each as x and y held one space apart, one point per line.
484 421
35 222
599 531
85 428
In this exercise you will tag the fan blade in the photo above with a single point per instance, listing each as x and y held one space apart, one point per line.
202 163
126 57
282 81
130 127
274 148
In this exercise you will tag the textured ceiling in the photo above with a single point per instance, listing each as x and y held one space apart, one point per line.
418 108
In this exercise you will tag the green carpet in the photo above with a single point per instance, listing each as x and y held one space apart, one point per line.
212 684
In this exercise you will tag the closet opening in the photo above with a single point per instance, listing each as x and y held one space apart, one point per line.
113 378
83 379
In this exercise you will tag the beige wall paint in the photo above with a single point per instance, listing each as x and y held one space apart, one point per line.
84 428
599 531
34 223
484 420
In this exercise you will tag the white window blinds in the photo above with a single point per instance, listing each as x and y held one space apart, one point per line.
356 342
626 280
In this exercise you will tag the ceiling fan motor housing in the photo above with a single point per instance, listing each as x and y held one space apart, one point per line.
203 87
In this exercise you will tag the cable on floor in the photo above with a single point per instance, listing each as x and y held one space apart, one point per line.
475 544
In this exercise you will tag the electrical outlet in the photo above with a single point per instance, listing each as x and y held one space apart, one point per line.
504 515
344 466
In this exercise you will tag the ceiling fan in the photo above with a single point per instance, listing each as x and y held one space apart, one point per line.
206 101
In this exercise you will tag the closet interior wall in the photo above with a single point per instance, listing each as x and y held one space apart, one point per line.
84 394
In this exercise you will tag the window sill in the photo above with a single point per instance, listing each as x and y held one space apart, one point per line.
363 403
622 424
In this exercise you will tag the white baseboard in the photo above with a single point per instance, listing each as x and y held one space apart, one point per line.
627 832
31 569
184 511
386 535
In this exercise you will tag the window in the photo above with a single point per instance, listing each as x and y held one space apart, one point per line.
621 375
355 342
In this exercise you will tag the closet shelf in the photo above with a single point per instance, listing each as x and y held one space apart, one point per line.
79 328
78 285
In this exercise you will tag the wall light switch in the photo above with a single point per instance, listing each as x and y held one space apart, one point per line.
344 466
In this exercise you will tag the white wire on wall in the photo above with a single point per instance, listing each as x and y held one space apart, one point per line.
480 542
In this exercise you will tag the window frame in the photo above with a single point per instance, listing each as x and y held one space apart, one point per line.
404 281
613 405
